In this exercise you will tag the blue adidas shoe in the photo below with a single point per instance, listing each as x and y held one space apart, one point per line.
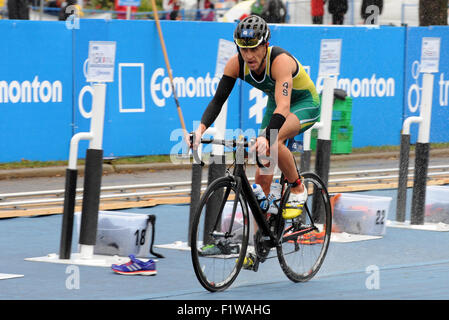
136 267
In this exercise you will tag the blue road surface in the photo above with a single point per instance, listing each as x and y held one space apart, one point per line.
404 264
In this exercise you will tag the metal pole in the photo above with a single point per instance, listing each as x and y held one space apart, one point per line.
195 194
305 161
422 152
306 154
67 218
217 168
69 195
419 183
323 147
402 181
329 84
93 174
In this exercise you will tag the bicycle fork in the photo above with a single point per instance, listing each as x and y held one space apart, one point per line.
227 234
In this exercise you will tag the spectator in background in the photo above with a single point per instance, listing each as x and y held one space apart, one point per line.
174 13
121 10
275 12
18 9
317 7
68 8
371 16
64 13
173 6
338 9
258 7
208 13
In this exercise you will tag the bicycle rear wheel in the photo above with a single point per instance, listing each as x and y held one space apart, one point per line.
219 235
305 239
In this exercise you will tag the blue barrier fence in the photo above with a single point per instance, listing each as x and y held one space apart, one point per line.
41 76
439 129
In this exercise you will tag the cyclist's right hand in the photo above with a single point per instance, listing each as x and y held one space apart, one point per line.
194 138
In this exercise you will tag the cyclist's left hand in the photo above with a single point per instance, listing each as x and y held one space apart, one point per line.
261 146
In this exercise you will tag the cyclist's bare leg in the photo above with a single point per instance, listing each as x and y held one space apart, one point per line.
286 162
263 178
284 156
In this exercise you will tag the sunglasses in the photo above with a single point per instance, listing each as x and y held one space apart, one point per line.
248 42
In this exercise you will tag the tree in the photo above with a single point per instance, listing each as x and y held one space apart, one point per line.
432 12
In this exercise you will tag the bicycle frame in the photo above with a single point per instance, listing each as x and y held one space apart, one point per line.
243 184
216 245
253 204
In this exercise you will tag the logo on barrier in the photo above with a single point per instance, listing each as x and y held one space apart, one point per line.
131 84
30 92
444 90
257 109
83 111
365 87
190 87
414 91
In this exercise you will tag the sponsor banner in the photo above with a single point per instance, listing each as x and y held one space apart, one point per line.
43 73
35 90
439 128
141 115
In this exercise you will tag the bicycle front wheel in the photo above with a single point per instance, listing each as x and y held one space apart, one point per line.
304 240
219 235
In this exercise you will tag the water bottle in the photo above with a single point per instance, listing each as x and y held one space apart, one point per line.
275 194
261 198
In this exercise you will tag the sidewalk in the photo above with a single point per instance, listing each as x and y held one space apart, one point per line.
58 171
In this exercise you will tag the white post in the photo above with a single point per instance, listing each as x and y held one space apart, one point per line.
96 131
426 108
407 123
307 137
73 156
220 125
430 55
327 101
97 120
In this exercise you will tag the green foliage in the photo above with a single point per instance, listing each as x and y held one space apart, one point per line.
101 4
146 5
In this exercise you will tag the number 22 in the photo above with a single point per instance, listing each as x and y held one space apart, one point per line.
380 216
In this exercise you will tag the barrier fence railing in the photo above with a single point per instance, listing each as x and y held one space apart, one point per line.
298 12
20 200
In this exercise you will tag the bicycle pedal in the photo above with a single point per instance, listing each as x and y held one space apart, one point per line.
251 262
228 248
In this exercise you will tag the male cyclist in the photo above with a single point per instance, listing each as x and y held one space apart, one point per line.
293 103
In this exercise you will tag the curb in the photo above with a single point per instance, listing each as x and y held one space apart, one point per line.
129 168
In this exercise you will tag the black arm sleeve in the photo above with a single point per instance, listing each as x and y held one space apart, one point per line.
213 109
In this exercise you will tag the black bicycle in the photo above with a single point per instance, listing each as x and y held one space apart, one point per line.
220 233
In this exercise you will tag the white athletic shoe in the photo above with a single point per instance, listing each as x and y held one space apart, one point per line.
295 204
